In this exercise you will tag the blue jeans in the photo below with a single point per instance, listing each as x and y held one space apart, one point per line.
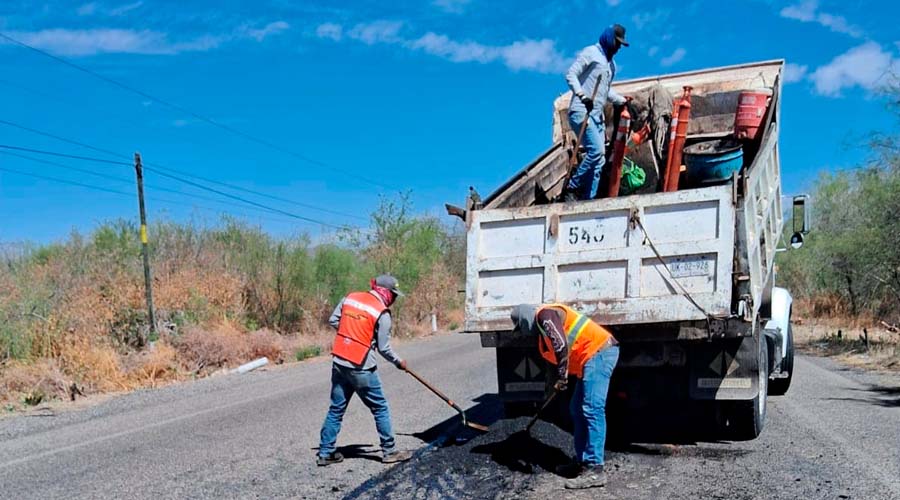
588 406
586 178
365 383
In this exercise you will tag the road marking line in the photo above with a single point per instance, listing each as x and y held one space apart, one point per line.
141 429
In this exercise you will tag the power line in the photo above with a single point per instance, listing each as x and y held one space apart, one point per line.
126 194
68 167
65 155
182 180
178 172
182 109
152 187
243 200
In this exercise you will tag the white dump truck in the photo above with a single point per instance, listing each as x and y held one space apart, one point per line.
684 279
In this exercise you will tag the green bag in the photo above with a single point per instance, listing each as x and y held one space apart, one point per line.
633 177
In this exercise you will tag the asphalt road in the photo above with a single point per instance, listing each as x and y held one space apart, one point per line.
835 435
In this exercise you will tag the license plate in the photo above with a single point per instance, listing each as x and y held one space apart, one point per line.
688 268
724 383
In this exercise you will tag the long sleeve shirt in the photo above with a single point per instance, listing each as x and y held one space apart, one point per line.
381 341
592 68
551 322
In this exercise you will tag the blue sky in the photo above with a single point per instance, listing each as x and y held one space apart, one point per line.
431 96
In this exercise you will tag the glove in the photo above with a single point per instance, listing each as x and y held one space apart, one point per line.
402 364
561 385
588 103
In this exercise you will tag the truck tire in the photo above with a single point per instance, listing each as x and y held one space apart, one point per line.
745 419
779 386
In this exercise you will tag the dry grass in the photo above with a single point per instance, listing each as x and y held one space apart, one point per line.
845 342
34 382
73 313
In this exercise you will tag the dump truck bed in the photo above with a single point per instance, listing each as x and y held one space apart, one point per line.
597 255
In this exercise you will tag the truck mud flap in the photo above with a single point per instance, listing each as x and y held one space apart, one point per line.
521 374
724 370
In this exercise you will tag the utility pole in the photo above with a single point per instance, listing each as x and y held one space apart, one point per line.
148 284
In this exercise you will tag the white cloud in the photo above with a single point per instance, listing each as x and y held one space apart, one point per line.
88 42
124 9
794 72
652 51
867 66
376 32
650 19
808 12
527 54
272 28
443 46
87 9
331 31
673 58
179 123
452 6
805 11
535 55
613 3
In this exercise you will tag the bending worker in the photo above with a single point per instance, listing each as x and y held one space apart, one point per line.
577 346
589 78
363 323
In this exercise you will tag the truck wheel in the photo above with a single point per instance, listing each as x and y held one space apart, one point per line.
746 418
779 386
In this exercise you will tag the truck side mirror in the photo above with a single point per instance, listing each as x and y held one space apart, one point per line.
800 214
799 220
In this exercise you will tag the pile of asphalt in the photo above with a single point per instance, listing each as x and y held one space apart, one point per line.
502 463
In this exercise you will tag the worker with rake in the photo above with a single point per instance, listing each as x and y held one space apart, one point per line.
575 345
363 323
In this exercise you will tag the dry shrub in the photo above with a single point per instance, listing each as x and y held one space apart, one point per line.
266 343
215 348
183 288
19 380
153 366
435 293
320 340
95 366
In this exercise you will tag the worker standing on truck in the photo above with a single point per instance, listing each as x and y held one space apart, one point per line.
589 78
576 346
363 323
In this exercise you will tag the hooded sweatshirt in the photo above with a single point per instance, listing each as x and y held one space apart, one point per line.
594 66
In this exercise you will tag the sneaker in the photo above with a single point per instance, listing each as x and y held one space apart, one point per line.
569 470
591 477
397 456
334 458
569 197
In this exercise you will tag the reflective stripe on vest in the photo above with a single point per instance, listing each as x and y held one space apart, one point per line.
583 339
356 331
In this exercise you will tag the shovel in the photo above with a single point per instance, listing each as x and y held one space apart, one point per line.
540 410
462 413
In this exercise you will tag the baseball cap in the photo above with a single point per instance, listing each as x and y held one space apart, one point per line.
619 30
389 282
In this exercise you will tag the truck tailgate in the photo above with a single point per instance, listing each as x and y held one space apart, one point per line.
590 256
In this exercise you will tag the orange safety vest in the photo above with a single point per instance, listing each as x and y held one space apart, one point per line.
355 333
584 338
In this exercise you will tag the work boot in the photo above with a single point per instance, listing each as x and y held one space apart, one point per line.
590 477
397 456
569 470
334 458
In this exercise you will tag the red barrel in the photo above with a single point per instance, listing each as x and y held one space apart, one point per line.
752 106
